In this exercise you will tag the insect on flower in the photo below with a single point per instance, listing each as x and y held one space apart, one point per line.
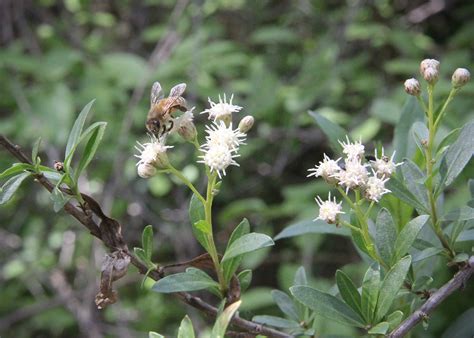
160 116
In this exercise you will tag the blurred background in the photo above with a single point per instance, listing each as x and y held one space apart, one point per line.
345 59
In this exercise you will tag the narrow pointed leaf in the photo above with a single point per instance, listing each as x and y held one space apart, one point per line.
230 266
391 284
196 214
278 322
220 327
311 227
385 235
400 190
300 277
76 130
147 241
379 329
464 213
326 305
90 148
186 328
247 243
348 292
11 186
333 132
15 169
245 278
191 280
370 292
285 303
402 139
414 179
407 236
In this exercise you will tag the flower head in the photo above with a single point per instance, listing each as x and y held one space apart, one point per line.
222 111
461 76
375 188
218 157
355 175
329 210
352 150
153 153
326 169
220 134
412 87
384 165
429 69
184 125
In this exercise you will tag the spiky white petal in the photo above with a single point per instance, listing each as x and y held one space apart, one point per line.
352 150
329 210
222 110
383 165
326 169
153 153
375 188
218 157
220 134
355 175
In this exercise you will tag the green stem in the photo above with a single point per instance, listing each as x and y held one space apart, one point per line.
430 163
183 179
451 95
350 226
423 104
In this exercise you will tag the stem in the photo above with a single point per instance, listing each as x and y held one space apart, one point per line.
350 226
423 104
210 237
451 95
183 179
429 168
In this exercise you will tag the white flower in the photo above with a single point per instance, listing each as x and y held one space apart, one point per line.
355 175
352 150
329 210
384 166
218 157
220 134
375 188
222 111
326 169
153 153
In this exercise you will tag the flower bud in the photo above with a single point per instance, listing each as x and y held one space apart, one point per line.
246 124
429 63
58 166
146 170
412 87
188 131
461 76
431 75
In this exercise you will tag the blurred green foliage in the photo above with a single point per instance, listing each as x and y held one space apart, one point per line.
346 60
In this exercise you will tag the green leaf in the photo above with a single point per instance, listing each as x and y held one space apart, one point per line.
140 253
196 214
348 292
285 303
191 280
11 186
247 243
391 284
186 328
300 277
448 140
414 178
231 265
407 236
402 141
311 227
244 277
466 236
91 147
420 133
333 132
457 156
370 292
385 235
34 151
400 190
152 334
426 253
379 329
15 169
394 319
220 327
59 199
464 213
76 130
276 322
326 305
147 241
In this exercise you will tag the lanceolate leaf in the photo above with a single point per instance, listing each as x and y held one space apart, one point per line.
379 329
414 178
147 241
231 265
247 243
391 284
191 280
370 292
276 322
407 236
77 129
196 214
245 278
464 213
10 186
334 132
326 306
402 140
285 303
311 227
15 169
220 327
385 235
186 328
90 149
402 192
348 291
457 156
300 277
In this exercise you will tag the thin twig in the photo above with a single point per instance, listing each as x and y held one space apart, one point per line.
458 281
103 234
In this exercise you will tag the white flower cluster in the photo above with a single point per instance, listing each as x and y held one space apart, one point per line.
151 155
353 173
222 141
